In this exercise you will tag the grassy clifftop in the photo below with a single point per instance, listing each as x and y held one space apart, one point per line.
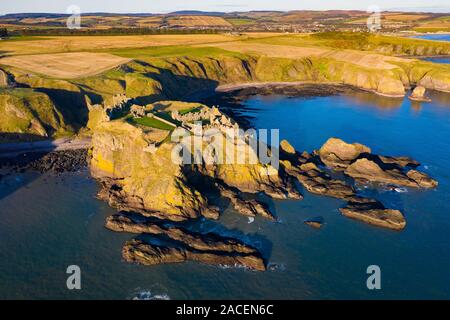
381 43
26 111
48 107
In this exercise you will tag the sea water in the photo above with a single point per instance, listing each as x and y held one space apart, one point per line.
48 221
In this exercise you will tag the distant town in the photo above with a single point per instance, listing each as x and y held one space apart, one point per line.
214 22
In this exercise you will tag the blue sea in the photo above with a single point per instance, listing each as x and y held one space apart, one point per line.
48 221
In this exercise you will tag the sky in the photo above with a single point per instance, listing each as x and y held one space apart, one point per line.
164 6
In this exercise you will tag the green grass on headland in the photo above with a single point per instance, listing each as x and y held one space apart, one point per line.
388 45
193 109
166 116
171 51
151 122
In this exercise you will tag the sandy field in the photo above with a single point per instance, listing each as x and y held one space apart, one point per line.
65 65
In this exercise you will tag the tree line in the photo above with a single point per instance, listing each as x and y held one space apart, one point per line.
3 33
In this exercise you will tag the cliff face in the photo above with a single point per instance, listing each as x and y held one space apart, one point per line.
64 103
135 164
5 79
142 181
25 111
38 106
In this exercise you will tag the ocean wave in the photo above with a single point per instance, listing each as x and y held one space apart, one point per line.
149 295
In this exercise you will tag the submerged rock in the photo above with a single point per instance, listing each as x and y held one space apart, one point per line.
315 223
373 212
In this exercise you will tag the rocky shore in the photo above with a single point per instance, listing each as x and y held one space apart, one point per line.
56 161
157 196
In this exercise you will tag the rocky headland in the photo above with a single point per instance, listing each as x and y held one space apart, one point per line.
133 160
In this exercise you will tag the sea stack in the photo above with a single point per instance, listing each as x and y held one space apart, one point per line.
419 94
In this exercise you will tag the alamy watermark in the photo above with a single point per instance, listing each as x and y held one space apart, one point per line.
73 281
74 20
374 280
374 20
212 145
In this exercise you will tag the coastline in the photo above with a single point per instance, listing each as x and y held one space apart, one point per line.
267 85
11 150
239 86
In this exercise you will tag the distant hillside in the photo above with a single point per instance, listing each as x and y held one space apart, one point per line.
273 21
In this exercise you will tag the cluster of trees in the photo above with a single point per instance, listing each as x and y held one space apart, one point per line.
111 31
3 32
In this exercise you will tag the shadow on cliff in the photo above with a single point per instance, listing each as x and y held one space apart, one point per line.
72 106
176 87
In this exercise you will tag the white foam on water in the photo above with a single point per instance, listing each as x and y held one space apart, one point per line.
251 220
153 292
401 190
147 295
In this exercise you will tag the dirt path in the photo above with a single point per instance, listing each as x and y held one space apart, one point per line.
14 149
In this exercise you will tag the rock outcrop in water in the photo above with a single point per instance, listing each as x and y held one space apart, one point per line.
150 254
337 154
419 94
358 162
355 161
155 186
373 212
182 245
153 190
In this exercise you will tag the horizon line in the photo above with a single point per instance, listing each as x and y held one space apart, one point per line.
397 9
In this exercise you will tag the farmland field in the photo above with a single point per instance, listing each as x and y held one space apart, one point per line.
198 21
60 44
82 56
66 65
